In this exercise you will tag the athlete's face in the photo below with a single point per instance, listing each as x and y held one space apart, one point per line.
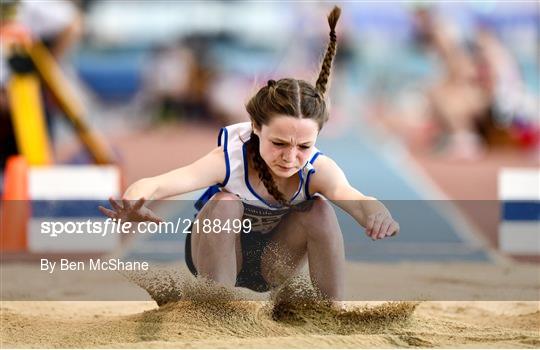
286 143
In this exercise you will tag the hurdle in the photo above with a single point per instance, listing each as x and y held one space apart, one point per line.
34 195
33 189
519 193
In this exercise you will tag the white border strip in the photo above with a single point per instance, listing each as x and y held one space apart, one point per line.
520 237
519 184
73 182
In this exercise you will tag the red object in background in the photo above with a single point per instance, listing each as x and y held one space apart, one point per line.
527 135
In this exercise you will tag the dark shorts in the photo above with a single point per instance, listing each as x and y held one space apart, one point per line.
250 276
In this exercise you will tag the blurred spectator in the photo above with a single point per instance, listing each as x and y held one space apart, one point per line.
180 81
514 108
471 100
458 100
167 78
57 23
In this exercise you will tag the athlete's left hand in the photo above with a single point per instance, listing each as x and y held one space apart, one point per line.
380 225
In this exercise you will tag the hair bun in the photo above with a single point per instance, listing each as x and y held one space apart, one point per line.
271 83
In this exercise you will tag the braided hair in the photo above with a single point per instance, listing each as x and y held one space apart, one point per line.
291 97
333 18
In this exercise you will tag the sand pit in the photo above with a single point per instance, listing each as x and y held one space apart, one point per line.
206 316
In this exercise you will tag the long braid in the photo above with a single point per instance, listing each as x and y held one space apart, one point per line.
322 81
262 169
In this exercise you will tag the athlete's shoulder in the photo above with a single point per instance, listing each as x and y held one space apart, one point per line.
327 176
324 165
233 135
234 132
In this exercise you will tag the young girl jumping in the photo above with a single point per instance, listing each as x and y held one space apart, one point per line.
269 171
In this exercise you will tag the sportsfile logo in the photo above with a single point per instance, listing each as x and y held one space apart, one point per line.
113 226
101 228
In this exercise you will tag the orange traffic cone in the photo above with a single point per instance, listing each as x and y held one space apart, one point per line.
15 210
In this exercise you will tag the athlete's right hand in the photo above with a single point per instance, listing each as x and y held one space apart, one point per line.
128 210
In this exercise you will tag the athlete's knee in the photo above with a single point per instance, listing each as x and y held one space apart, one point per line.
322 210
224 205
320 221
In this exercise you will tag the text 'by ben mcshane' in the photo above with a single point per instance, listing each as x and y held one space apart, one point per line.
93 265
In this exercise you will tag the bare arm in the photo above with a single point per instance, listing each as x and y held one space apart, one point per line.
330 181
206 171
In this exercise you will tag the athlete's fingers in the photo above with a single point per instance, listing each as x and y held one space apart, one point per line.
369 226
373 226
377 227
107 212
391 228
396 229
139 203
387 222
114 204
369 233
127 204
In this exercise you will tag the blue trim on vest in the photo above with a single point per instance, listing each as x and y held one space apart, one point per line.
210 191
315 156
219 136
205 197
225 147
521 211
311 171
246 180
